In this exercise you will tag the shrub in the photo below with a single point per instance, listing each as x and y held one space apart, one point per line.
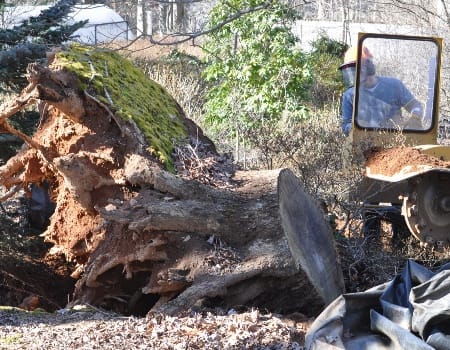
257 73
325 59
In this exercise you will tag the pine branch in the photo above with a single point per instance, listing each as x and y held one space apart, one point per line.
34 26
29 41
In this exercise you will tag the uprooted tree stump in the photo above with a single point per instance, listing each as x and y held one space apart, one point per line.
142 237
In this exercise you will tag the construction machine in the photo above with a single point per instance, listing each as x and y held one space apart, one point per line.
392 101
416 187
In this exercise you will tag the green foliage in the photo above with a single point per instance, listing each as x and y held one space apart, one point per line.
256 73
326 45
325 59
118 83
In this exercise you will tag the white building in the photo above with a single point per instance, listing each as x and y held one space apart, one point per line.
104 24
309 31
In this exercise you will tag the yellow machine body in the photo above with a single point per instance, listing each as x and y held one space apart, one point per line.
420 191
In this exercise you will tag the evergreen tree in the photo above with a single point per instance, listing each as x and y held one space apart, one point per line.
29 41
21 45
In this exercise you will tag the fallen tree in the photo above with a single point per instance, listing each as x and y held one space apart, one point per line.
142 236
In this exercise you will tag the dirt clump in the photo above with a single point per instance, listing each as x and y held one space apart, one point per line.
391 161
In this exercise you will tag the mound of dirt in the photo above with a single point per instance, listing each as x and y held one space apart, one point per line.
392 160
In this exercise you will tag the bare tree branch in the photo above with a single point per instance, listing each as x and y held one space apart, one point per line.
179 38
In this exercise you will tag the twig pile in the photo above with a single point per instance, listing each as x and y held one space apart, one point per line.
196 161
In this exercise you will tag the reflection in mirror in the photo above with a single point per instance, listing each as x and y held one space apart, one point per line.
396 84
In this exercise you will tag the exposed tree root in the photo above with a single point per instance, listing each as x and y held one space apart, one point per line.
136 230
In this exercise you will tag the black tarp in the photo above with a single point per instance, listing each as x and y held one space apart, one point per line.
410 312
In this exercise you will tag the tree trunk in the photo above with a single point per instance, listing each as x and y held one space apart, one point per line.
146 239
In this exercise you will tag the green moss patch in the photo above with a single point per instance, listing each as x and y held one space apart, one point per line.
11 340
134 96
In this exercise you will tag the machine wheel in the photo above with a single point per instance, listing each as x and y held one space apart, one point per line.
427 208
